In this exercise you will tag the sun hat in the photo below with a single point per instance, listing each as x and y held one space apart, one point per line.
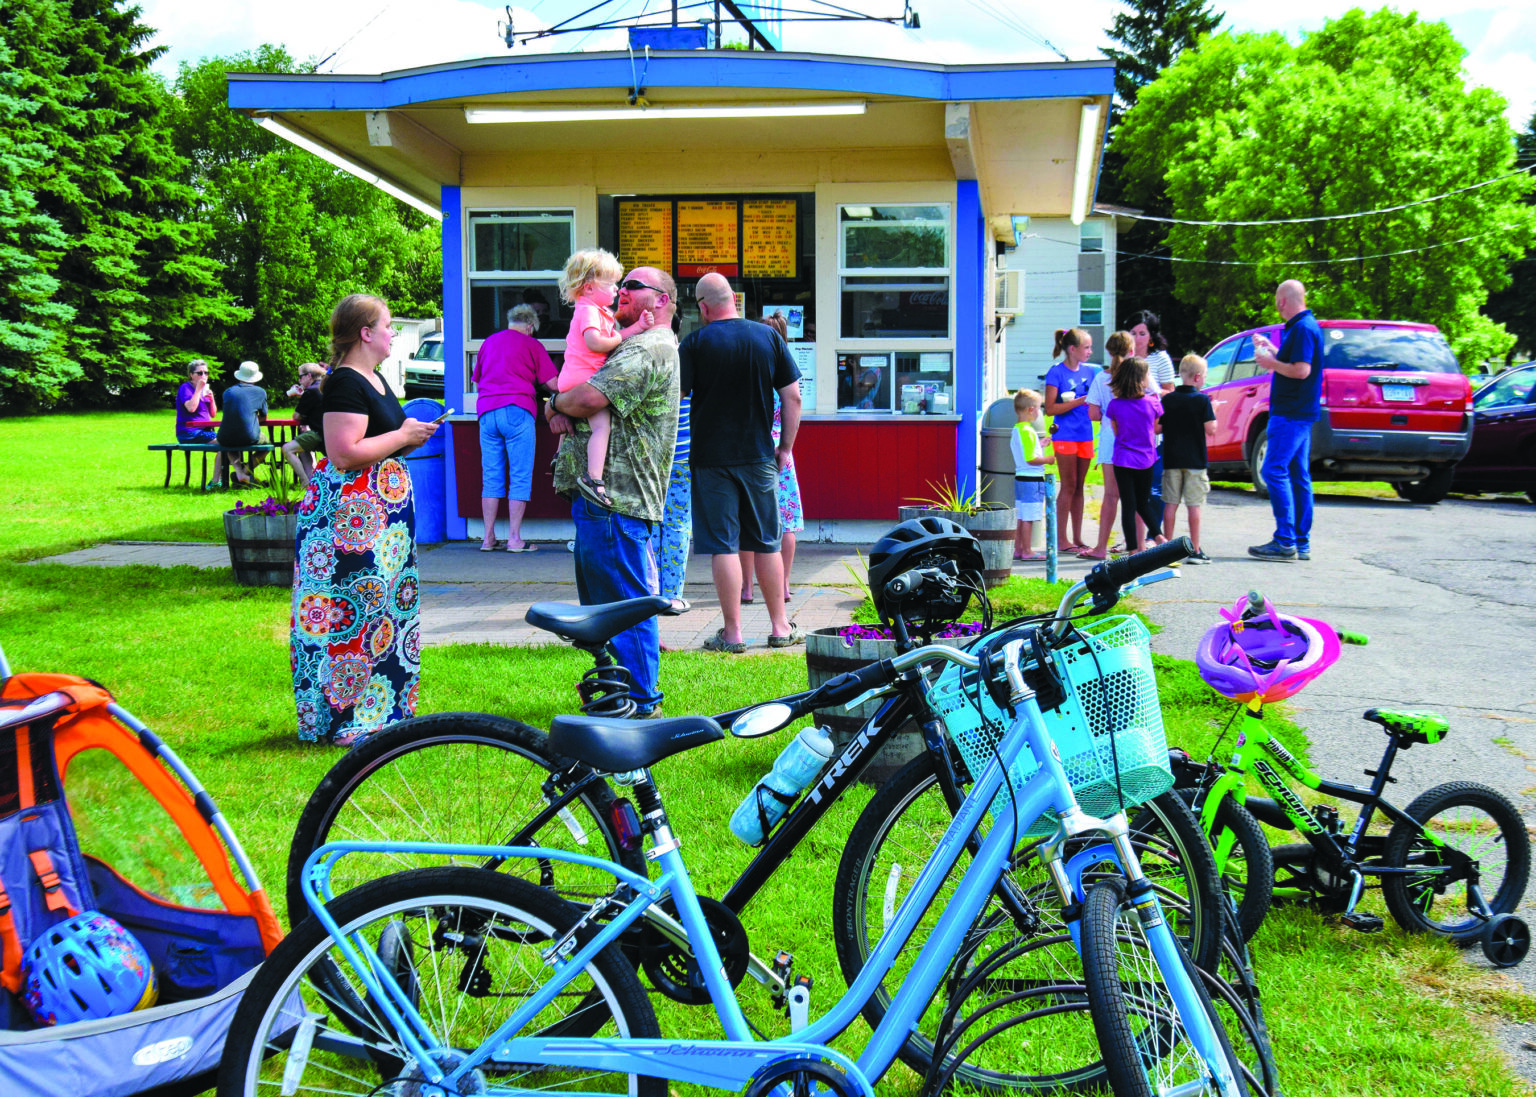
249 372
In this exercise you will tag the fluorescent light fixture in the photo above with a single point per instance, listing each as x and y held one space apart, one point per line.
1087 166
351 167
481 115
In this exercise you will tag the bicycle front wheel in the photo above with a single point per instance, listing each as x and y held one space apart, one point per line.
465 948
1457 819
1146 1042
1245 864
462 777
1028 986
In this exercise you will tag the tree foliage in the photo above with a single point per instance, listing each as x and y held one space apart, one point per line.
1514 306
1151 36
1369 112
114 287
293 234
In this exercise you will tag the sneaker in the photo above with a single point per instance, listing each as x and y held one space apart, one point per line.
1303 553
1272 550
1198 558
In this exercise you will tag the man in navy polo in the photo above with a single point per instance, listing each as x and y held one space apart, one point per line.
1295 403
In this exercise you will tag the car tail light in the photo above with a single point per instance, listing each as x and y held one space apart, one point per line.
626 824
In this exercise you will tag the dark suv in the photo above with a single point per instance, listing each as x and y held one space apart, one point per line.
1396 407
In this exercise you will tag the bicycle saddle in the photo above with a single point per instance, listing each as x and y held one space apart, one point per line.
618 746
1410 726
593 626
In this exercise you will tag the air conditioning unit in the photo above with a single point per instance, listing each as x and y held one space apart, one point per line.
1010 292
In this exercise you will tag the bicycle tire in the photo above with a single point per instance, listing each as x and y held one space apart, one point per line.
911 808
498 923
1134 1016
1411 898
485 774
1250 873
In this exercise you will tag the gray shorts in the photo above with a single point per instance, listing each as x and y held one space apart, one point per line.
736 509
1187 486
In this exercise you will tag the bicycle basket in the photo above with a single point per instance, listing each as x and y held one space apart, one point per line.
1111 698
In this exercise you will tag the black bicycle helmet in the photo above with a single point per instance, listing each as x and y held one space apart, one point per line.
925 543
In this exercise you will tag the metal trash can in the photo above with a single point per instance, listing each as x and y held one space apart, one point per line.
429 476
996 455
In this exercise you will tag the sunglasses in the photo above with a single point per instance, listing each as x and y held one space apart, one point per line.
633 284
199 373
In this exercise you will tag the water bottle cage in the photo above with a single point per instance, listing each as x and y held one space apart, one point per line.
605 691
762 811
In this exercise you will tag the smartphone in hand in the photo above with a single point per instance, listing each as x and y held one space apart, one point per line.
443 416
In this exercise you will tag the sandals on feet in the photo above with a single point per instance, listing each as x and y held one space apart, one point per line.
719 643
594 491
793 637
678 607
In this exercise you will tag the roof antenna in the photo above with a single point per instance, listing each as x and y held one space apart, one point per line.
505 29
909 19
637 92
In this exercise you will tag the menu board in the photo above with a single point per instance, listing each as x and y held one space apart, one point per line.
706 238
768 228
645 235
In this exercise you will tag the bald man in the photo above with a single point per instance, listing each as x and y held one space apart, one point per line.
1295 405
731 368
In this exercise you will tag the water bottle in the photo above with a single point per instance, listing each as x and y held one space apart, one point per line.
796 766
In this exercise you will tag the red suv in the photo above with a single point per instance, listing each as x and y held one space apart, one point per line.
1396 407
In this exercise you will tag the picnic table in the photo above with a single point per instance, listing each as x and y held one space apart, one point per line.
289 427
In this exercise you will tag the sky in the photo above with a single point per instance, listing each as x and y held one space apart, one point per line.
370 36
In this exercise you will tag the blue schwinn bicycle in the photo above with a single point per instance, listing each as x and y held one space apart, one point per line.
460 982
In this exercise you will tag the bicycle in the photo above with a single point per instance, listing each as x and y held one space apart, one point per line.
410 943
375 792
1453 845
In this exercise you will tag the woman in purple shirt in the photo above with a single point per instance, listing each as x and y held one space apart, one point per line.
1135 413
509 370
195 404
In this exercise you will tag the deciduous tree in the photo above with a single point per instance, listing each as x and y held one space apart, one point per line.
1370 112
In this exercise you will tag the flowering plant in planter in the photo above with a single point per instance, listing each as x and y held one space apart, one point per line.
273 505
269 506
851 633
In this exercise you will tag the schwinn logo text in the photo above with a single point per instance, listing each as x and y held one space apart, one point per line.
1298 811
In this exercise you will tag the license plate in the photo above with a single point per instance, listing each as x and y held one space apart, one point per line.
1402 394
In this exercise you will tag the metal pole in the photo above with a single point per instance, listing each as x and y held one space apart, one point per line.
1050 526
674 13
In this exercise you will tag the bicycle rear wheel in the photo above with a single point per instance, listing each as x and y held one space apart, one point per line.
464 946
1147 1047
1027 989
463 777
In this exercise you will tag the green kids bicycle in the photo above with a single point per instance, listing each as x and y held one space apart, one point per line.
1454 863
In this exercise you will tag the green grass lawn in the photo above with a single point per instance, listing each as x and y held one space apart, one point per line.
204 663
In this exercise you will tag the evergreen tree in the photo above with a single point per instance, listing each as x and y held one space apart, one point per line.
133 266
33 364
1515 305
1151 35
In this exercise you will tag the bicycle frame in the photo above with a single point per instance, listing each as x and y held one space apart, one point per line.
1256 748
732 1063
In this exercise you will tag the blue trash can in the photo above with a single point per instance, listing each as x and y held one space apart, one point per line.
429 476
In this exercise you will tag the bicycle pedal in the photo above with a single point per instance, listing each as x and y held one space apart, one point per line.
1362 922
800 1003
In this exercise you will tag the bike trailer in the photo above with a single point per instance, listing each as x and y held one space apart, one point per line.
97 814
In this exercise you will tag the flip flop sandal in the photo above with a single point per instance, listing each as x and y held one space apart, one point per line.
594 491
492 547
678 610
719 643
526 547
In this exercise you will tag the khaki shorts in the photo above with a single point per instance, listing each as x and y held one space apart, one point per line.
311 441
1186 486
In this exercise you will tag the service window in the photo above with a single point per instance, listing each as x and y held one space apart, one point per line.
864 382
893 268
515 258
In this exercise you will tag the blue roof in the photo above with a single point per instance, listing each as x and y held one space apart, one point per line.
780 73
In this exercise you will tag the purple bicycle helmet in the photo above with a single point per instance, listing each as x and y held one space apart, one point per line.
86 968
1268 657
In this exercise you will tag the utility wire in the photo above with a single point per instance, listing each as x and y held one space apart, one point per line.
1014 23
1331 216
355 33
1312 262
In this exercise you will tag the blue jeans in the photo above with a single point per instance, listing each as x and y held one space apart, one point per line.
506 453
1288 476
614 561
676 532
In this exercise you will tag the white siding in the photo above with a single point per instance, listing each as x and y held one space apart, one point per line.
1048 256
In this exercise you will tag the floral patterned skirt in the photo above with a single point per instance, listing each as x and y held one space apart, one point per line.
356 639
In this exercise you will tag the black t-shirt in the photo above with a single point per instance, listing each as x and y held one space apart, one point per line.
348 391
732 368
1185 413
310 408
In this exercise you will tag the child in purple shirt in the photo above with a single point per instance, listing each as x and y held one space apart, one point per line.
1135 414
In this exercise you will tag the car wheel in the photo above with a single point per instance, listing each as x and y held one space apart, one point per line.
1431 489
1256 454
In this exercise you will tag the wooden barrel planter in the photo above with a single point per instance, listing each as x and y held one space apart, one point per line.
992 525
261 548
827 656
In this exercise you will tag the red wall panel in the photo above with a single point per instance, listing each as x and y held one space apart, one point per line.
544 503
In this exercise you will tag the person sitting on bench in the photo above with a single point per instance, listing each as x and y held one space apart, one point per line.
245 405
195 404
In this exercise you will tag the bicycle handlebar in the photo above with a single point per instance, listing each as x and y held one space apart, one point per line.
1256 607
1358 638
1107 578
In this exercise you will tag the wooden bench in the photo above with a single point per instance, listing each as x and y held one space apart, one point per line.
252 454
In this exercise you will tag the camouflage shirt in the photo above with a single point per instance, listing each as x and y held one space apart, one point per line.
640 381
